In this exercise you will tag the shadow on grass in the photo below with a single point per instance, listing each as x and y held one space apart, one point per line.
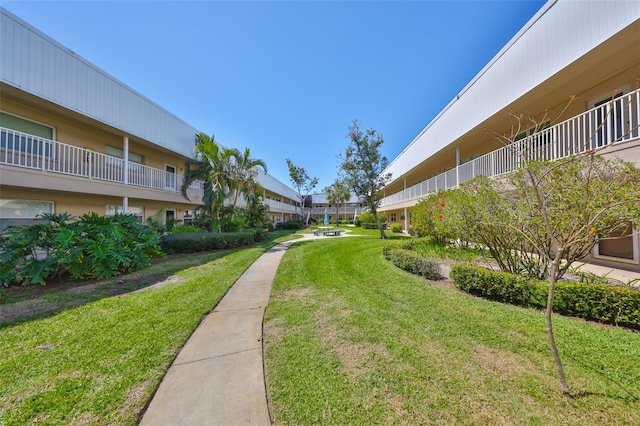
625 398
23 304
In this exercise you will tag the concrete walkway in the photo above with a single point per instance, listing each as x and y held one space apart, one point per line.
218 376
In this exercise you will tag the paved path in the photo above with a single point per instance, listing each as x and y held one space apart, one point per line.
218 376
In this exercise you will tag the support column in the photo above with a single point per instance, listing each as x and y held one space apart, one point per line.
125 156
406 220
457 166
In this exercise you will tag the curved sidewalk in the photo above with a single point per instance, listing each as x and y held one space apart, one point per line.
218 376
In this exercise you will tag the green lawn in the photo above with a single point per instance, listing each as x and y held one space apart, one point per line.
350 339
100 363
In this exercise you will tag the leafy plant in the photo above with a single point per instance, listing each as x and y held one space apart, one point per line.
598 302
93 246
396 227
412 262
367 217
363 166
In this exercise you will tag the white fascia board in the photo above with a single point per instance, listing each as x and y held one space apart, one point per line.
274 185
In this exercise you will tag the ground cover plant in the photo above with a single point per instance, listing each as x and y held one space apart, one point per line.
91 246
351 339
99 363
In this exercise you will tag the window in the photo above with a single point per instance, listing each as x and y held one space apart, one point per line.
118 153
619 245
542 137
25 126
609 112
24 143
170 176
393 217
188 217
22 212
112 210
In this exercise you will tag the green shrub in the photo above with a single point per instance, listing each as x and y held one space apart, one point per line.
369 225
259 234
367 217
290 225
92 246
412 262
186 229
396 227
597 302
198 242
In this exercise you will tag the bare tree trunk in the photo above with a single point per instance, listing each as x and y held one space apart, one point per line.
383 236
552 341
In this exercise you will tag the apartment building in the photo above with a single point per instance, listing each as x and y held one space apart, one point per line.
75 139
317 204
586 49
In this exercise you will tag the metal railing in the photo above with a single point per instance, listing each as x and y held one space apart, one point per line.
613 122
33 152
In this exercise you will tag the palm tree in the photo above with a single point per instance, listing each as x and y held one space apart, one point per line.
337 194
245 174
257 212
212 166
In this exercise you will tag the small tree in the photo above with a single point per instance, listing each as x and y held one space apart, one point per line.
562 208
363 167
337 194
301 182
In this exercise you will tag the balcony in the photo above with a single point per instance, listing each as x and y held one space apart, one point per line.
32 152
611 123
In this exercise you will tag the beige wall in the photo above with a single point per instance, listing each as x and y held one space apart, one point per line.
85 134
78 205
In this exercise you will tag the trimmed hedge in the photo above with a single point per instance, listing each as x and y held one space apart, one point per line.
412 262
595 302
396 227
290 225
197 242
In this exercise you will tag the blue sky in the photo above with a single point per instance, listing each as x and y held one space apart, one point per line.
286 79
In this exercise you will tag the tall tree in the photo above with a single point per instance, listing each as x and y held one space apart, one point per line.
245 173
302 183
337 194
363 166
211 165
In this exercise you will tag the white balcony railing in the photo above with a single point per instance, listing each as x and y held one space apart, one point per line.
614 122
33 152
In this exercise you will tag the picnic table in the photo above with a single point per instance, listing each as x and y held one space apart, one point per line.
328 230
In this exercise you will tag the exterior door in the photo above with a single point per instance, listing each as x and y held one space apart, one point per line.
170 177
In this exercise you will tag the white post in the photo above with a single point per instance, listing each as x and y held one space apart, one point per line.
406 220
125 152
457 166
125 157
